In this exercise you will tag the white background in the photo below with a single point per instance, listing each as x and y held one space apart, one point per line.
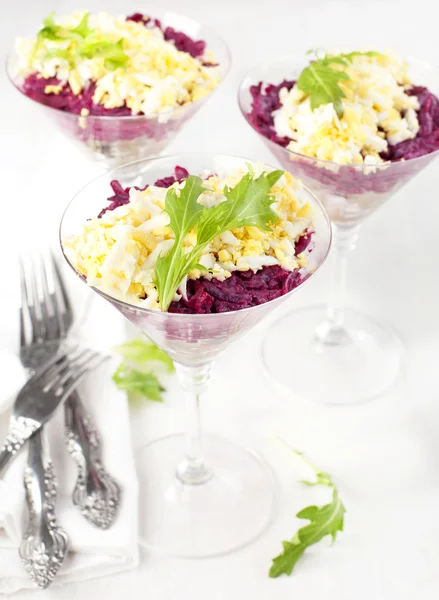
384 456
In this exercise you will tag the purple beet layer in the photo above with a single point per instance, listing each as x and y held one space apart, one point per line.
243 289
34 85
266 101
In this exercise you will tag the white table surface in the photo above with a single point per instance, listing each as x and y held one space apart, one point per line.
385 455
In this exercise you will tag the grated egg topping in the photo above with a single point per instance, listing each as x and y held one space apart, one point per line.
156 79
377 111
117 252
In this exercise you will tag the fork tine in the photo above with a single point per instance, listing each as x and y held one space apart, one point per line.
50 303
24 305
71 374
64 312
41 276
40 328
59 373
31 298
53 367
76 376
44 373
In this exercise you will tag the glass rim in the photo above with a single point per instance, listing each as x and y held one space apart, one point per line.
133 118
177 156
293 62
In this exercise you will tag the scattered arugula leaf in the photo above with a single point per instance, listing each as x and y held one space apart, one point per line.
321 82
141 351
134 375
84 43
248 203
131 380
324 520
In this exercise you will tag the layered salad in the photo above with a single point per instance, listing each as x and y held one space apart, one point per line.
199 244
103 65
351 109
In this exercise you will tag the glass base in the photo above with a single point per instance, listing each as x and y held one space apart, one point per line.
226 512
356 364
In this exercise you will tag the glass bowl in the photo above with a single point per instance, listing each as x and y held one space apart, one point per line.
200 495
117 140
349 192
357 358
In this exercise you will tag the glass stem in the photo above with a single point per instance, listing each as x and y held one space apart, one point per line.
333 331
193 380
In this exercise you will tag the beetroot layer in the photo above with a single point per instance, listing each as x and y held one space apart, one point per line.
242 290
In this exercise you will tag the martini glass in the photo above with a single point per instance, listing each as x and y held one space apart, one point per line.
357 359
116 140
201 495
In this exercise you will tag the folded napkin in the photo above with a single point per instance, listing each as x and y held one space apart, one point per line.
93 552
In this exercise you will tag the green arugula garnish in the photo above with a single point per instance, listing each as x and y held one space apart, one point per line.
113 53
324 520
248 203
321 82
134 374
82 31
131 380
141 351
84 43
50 31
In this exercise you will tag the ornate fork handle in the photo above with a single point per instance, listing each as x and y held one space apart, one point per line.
96 493
19 431
45 543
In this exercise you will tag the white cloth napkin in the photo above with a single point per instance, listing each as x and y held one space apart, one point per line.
93 552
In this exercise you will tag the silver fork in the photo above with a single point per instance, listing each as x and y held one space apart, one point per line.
96 493
44 545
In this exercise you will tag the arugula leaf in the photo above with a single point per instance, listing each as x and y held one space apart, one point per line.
184 211
144 350
131 380
115 56
50 30
82 30
248 203
321 82
84 43
324 520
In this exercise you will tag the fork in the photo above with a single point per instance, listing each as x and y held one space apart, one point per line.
96 493
30 413
44 545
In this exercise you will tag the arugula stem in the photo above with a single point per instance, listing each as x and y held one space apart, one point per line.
193 380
